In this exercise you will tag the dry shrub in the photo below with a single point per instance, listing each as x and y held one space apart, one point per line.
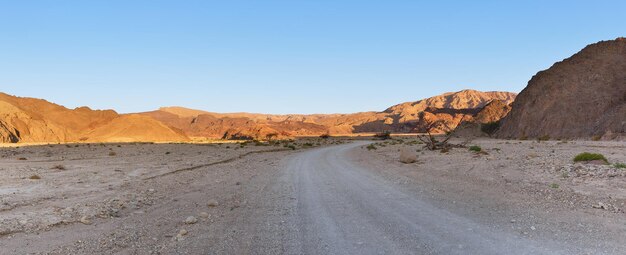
59 167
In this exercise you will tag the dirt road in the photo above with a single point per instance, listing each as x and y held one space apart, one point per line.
345 209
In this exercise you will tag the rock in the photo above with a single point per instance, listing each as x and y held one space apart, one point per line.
181 233
85 220
407 156
191 220
600 205
204 215
212 203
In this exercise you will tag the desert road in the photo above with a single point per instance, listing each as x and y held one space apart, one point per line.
345 209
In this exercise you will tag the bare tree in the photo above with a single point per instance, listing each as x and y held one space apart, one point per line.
441 142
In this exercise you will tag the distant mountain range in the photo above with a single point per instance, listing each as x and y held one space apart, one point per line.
37 120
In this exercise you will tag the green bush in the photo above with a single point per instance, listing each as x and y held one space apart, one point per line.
619 165
554 186
475 148
371 147
586 156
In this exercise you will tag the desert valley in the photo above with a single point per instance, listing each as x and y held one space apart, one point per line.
466 172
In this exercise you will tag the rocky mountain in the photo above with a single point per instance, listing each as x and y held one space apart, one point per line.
37 120
453 108
581 96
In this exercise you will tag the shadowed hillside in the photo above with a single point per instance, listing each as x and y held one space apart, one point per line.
582 96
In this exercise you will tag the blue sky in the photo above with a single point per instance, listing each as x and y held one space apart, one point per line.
285 56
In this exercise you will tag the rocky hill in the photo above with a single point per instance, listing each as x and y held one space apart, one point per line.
582 96
36 120
453 108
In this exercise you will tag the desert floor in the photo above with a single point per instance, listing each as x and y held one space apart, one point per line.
332 196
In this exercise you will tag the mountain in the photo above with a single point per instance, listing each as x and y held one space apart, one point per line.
37 120
453 108
581 96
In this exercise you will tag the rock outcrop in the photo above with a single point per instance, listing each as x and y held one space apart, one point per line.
493 112
579 97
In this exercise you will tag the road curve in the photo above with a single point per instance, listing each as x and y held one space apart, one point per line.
345 209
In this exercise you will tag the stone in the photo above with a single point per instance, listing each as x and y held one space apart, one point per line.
85 220
212 203
191 220
407 156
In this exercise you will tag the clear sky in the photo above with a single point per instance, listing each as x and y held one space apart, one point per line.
285 56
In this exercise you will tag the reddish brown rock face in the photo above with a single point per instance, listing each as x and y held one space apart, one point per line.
582 96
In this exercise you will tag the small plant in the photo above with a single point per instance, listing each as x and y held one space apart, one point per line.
34 177
259 143
112 153
619 165
586 156
22 158
554 185
371 147
325 136
167 153
59 167
475 148
292 147
596 138
543 138
383 135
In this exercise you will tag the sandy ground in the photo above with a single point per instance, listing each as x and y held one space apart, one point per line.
135 198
